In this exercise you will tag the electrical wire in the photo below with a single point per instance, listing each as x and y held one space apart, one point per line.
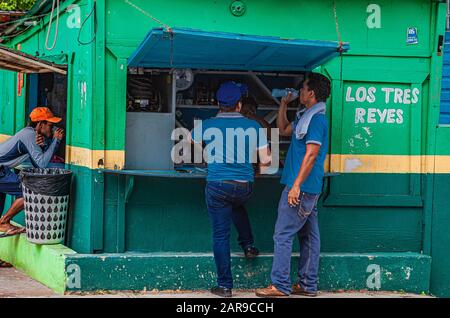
341 47
93 11
336 20
50 26
168 28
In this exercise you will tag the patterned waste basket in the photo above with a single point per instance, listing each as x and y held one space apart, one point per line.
46 194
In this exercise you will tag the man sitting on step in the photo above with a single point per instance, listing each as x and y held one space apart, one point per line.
26 144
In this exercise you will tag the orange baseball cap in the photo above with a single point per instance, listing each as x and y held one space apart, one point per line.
43 114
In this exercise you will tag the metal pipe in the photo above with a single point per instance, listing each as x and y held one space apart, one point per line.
248 73
263 87
162 70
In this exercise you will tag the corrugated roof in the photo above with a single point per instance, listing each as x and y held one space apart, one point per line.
7 18
13 60
40 8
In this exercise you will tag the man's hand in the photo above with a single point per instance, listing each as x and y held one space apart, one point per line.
312 151
40 140
287 99
58 134
283 124
294 196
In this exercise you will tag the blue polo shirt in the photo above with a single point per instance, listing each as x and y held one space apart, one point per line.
231 142
317 134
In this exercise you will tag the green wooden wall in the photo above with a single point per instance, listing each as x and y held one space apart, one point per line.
386 198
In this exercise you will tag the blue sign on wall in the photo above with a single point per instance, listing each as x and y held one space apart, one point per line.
411 37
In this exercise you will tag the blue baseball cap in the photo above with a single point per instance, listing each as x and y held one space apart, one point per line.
230 93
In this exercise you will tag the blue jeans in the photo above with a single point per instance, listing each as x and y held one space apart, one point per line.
225 202
302 221
9 184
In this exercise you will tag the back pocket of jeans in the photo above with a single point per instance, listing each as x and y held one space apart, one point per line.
307 204
216 192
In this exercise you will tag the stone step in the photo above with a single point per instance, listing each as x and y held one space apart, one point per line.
408 272
62 269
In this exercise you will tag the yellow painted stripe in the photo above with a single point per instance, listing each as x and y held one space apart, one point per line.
442 164
95 159
386 164
92 159
3 138
334 163
115 159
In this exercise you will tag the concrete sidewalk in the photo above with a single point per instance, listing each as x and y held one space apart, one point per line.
14 283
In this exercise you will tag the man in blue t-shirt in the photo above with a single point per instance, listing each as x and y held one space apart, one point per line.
303 177
233 144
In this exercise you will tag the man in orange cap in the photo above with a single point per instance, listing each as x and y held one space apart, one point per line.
20 147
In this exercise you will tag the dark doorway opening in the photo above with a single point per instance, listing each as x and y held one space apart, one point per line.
49 90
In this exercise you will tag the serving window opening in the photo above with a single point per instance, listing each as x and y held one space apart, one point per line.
160 100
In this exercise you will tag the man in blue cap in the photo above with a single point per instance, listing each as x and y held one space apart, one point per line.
235 141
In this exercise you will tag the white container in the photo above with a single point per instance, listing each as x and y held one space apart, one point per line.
45 217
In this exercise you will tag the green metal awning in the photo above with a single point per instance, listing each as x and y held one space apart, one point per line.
181 48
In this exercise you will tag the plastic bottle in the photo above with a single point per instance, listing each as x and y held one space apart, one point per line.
279 93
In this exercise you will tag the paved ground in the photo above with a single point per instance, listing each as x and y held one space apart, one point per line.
14 283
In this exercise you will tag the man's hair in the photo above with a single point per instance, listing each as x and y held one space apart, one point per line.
225 109
33 124
249 106
249 101
320 85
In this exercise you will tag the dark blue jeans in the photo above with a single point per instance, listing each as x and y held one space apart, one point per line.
225 202
300 221
9 184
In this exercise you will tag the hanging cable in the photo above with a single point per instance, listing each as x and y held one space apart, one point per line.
168 29
93 11
55 2
341 46
165 26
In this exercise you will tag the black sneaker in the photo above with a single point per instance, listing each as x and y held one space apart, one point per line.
251 252
222 291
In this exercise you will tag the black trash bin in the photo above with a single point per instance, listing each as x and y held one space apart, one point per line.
46 194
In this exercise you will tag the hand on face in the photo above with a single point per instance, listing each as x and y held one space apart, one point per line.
40 140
